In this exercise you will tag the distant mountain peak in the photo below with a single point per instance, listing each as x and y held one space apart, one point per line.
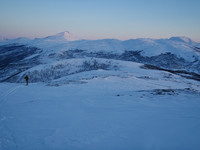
65 34
183 39
62 36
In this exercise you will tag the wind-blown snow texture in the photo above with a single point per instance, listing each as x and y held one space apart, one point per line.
102 94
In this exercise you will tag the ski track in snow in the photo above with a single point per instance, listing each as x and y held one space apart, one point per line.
8 92
8 139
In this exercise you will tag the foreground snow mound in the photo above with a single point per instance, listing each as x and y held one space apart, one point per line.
139 109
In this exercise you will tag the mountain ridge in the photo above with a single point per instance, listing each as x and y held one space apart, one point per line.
66 35
23 56
181 46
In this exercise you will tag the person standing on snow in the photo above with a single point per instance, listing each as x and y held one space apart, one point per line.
26 78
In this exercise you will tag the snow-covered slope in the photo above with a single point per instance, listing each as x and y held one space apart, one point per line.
149 47
130 108
99 94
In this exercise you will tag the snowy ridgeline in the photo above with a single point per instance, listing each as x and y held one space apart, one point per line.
63 54
180 46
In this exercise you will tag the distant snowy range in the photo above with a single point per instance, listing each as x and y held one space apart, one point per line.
108 94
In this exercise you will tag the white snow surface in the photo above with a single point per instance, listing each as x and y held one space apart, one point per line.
102 110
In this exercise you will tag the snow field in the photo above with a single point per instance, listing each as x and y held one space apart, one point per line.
103 113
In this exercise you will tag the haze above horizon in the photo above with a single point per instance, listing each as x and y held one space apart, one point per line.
94 19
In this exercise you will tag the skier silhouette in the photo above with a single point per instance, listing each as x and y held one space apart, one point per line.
26 78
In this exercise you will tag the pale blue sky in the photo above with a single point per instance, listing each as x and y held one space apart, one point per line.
97 19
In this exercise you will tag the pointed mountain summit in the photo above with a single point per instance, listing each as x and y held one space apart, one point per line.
62 37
